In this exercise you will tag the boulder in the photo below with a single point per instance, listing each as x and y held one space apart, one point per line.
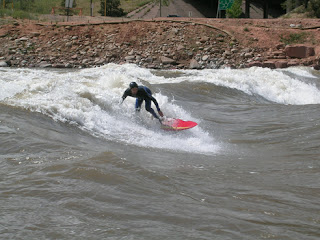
281 64
3 64
299 51
255 64
194 64
316 67
269 64
166 60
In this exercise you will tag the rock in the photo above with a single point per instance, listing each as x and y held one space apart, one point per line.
255 64
85 61
35 34
204 39
44 65
293 63
281 64
278 53
166 60
316 67
269 64
23 39
194 64
234 50
280 46
248 55
220 39
299 51
180 47
148 60
3 64
130 58
205 58
59 65
227 53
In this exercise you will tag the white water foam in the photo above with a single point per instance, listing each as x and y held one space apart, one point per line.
273 85
90 98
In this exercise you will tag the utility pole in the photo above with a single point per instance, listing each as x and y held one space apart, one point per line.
91 10
105 7
160 8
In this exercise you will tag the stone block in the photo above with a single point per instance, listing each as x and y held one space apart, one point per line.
299 51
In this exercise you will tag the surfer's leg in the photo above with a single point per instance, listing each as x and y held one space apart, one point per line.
150 110
138 104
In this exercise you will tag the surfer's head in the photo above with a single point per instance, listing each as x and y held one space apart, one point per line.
133 87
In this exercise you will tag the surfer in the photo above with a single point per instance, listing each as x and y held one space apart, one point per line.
142 93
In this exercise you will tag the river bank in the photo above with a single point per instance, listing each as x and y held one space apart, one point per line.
161 43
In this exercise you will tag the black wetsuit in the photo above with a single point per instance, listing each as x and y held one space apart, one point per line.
145 94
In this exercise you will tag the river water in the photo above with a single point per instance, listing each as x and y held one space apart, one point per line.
74 164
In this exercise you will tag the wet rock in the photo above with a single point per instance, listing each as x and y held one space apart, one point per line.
281 64
255 64
269 64
3 64
45 65
316 67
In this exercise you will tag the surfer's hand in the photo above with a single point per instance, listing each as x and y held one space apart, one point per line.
160 113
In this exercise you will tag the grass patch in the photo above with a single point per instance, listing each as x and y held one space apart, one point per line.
294 38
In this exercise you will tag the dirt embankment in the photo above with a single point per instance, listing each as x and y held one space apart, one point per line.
158 43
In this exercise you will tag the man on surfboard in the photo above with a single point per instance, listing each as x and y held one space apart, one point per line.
142 93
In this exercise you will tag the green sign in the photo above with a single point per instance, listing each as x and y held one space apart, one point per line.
225 4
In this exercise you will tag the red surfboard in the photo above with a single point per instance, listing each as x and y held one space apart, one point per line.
173 124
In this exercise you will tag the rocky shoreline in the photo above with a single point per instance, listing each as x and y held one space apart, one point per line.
156 44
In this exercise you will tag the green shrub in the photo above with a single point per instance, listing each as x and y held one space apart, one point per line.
111 9
235 11
314 7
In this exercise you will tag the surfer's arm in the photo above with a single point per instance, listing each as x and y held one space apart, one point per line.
157 105
125 94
